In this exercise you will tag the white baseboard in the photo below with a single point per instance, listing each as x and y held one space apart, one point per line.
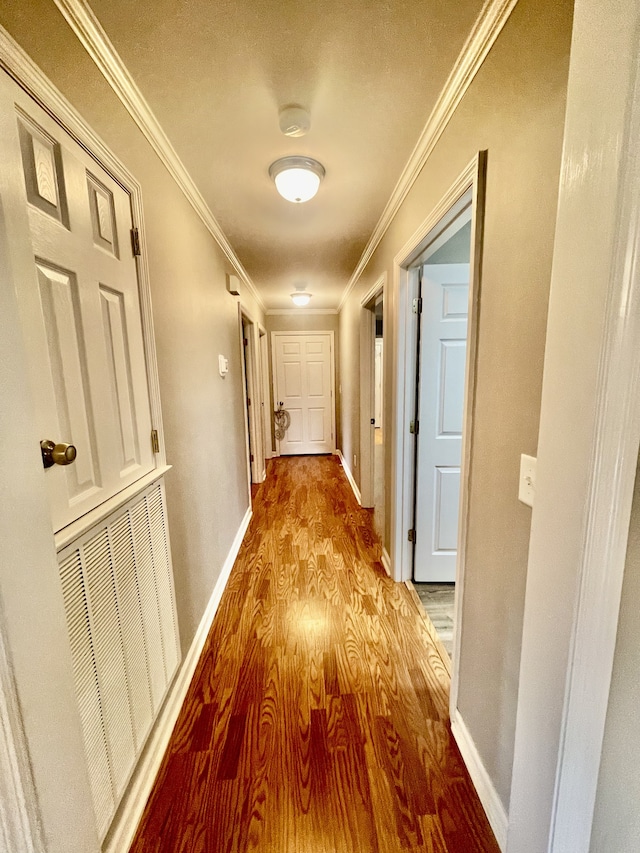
386 561
487 793
135 799
347 471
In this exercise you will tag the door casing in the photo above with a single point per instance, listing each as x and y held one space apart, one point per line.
402 459
367 391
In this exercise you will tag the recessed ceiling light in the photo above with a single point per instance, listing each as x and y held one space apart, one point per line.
297 178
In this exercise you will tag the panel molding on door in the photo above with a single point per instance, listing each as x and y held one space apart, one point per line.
304 381
441 404
84 301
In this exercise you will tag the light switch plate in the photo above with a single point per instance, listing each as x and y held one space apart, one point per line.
527 485
223 365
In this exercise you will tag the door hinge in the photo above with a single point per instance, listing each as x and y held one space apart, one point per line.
417 305
251 455
155 441
248 401
135 241
414 427
245 342
372 421
411 535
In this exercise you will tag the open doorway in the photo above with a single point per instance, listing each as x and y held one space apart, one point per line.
253 394
437 275
378 417
442 319
372 405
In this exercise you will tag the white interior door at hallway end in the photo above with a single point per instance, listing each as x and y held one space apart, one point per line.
443 347
303 372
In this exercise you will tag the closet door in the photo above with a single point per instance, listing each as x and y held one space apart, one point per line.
78 294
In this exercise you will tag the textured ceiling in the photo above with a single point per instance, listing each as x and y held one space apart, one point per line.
216 74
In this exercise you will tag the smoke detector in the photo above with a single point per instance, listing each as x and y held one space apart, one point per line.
294 120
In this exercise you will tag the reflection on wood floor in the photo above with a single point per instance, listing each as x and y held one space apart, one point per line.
317 718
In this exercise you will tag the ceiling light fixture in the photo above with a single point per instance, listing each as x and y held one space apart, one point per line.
301 297
294 120
297 178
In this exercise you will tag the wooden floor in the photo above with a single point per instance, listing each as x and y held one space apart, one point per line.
317 718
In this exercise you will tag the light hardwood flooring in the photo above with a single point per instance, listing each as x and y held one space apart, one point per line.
317 718
438 601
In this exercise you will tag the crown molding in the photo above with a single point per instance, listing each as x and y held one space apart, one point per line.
487 28
272 312
94 39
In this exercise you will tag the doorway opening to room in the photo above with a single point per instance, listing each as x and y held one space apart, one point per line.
442 309
372 404
438 280
253 397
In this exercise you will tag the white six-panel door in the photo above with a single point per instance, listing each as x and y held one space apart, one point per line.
303 378
445 295
79 300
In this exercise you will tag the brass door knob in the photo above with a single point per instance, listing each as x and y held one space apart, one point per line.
57 454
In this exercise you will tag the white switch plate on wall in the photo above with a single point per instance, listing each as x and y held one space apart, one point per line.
527 486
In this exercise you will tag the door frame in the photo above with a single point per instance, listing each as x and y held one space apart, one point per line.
267 403
367 391
251 387
403 369
589 441
332 371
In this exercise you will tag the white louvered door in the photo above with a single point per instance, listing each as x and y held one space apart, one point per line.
124 640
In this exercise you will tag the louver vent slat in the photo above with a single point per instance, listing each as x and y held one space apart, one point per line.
117 586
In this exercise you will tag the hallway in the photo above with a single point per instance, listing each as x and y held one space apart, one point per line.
317 719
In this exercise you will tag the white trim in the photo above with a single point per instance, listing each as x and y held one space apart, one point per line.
332 370
300 312
375 290
135 799
20 825
588 441
487 28
352 482
491 802
611 478
91 35
385 559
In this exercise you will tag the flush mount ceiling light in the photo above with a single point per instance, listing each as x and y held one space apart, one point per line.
297 178
301 297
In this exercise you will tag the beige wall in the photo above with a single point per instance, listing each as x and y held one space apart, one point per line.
195 320
301 322
616 823
514 109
